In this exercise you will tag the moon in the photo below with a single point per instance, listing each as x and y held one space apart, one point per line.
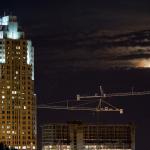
143 63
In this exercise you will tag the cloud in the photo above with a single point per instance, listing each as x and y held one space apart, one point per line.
89 51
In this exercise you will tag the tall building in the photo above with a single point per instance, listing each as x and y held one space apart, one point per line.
17 98
81 136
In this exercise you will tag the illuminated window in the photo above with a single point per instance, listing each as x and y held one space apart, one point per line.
8 87
8 132
23 147
17 47
14 92
8 127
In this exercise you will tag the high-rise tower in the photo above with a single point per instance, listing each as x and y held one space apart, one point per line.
17 98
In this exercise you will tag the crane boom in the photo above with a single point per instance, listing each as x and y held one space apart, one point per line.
102 106
105 109
113 95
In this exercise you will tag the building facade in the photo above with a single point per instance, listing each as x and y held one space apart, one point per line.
17 98
80 136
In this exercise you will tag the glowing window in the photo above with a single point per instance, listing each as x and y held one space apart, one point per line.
8 127
17 47
8 87
14 92
8 132
23 147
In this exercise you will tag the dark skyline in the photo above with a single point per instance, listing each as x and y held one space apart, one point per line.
80 45
67 16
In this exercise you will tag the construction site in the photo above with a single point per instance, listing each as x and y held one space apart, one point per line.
82 136
78 135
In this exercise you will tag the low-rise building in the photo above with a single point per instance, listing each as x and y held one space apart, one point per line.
83 136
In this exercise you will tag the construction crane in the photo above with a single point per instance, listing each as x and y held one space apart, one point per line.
103 96
101 104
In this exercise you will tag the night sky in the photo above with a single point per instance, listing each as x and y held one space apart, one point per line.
81 44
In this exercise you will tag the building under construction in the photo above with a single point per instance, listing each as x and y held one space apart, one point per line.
82 136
